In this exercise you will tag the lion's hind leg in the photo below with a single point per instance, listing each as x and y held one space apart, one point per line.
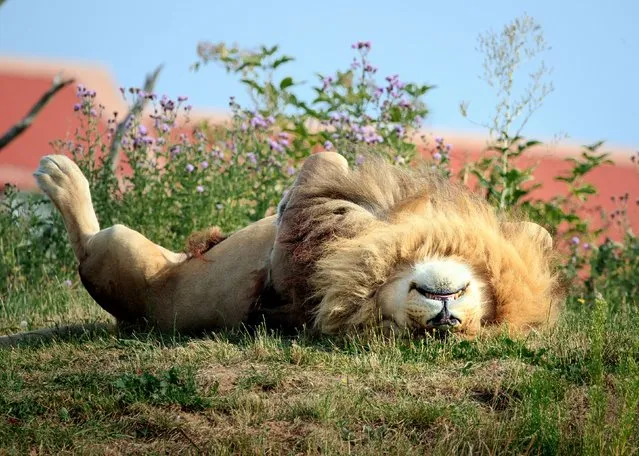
63 182
118 265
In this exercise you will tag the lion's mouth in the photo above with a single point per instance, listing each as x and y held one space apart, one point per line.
440 295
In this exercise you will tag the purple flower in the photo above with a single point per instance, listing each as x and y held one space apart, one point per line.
165 128
361 45
188 108
167 104
251 157
199 189
143 130
359 160
147 140
448 147
586 246
68 283
182 98
190 168
439 140
328 145
274 145
290 170
204 164
77 107
175 150
437 156
93 113
575 240
327 82
258 122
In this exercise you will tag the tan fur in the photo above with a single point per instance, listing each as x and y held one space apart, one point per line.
340 237
350 233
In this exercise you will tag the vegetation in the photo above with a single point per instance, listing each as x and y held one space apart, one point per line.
570 390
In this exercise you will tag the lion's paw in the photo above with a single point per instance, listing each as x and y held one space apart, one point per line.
58 177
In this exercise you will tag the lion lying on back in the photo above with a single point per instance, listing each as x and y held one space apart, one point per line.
348 250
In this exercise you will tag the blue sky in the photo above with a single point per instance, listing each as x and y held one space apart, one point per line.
594 56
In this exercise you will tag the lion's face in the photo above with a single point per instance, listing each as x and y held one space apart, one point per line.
434 294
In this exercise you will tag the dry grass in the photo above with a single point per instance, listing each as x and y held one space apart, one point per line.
240 393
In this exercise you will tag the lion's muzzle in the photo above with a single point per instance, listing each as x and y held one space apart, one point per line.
444 319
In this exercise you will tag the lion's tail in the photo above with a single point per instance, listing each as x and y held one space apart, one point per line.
63 182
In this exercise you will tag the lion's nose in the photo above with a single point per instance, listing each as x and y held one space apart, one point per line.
444 319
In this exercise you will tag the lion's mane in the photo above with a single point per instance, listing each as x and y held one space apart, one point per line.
347 234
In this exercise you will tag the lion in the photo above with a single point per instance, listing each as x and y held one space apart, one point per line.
349 249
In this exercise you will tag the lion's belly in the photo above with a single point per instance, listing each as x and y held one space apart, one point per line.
218 289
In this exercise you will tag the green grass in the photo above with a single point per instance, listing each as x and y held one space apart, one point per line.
572 390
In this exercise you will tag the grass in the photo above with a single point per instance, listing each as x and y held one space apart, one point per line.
572 390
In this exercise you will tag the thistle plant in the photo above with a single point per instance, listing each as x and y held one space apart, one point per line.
177 176
518 47
352 110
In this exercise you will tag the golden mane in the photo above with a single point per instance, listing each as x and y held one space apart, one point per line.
347 234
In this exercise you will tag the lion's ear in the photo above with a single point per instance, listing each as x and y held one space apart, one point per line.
320 163
534 230
315 166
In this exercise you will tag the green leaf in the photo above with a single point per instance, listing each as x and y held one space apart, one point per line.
269 51
248 63
282 60
251 83
286 82
586 189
